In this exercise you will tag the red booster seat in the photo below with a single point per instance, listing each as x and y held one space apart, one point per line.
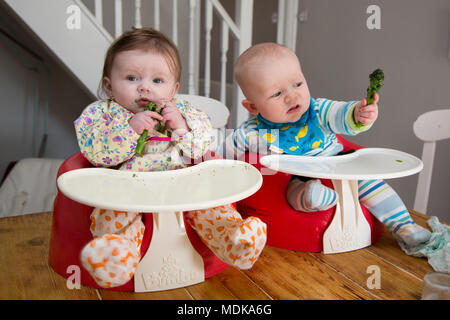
70 233
286 227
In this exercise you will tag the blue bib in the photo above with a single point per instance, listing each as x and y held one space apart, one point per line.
297 138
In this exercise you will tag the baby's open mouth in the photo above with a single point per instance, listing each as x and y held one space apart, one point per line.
143 101
294 109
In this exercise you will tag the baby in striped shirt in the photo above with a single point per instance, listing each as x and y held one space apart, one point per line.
278 97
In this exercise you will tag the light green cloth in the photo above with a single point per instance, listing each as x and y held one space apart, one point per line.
437 249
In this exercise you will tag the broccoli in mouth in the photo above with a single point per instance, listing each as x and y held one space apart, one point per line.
159 127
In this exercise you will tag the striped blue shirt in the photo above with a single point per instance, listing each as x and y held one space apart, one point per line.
335 117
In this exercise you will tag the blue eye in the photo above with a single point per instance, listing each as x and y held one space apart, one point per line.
157 80
277 94
131 78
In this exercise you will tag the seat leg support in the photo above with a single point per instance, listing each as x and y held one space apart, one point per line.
170 261
349 229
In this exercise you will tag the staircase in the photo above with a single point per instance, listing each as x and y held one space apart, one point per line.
56 24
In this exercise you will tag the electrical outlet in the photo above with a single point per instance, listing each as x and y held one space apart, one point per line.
274 17
303 16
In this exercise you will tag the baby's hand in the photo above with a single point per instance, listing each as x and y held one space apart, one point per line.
144 120
173 117
366 114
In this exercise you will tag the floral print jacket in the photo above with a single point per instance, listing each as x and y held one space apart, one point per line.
106 139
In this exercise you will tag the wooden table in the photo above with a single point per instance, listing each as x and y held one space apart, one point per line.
278 274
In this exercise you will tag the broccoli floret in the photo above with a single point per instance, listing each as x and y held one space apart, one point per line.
376 82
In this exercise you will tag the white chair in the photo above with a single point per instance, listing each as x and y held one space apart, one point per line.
217 112
429 127
30 187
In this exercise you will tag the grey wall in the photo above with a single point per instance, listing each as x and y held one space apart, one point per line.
338 52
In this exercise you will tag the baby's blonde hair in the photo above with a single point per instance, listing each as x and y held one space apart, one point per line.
254 56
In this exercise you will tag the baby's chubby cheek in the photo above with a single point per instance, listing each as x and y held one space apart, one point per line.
306 106
299 113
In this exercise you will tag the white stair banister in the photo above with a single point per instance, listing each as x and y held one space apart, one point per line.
223 60
280 21
291 24
244 21
175 22
208 27
118 17
224 15
137 14
242 31
287 23
156 14
191 70
99 11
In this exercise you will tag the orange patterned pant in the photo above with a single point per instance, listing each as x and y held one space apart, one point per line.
114 253
233 240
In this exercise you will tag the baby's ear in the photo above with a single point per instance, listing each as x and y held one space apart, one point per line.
107 86
175 88
250 106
